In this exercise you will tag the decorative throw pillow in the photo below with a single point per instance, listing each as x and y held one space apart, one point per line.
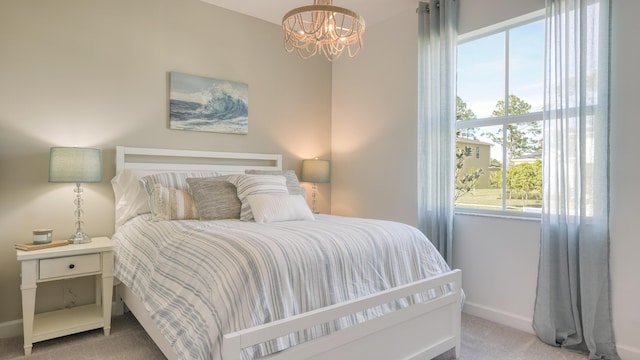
255 185
171 204
293 185
176 180
215 198
268 208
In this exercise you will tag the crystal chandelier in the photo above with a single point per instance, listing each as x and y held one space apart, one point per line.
322 28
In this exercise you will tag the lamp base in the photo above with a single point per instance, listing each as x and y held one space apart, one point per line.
79 238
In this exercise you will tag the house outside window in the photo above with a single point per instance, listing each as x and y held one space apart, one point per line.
499 115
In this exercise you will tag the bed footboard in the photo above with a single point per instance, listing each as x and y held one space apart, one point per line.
420 331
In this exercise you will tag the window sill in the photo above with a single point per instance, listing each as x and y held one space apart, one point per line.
499 214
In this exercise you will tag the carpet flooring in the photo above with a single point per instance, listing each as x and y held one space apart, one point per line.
481 340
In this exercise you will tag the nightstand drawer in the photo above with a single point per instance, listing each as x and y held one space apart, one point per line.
69 266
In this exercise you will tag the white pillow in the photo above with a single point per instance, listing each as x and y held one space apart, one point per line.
131 197
255 185
268 208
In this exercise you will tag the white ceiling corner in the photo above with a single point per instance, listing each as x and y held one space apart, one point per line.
373 11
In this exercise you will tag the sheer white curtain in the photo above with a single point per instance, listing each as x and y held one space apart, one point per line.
573 303
438 24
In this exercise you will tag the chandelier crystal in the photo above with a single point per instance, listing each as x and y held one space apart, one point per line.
322 28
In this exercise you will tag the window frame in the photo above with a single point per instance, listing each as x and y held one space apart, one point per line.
501 120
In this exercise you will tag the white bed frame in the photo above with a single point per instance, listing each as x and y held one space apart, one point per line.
419 331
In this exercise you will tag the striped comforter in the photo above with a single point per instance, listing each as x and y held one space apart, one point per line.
202 279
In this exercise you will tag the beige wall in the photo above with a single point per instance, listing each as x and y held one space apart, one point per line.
625 198
94 73
374 125
374 145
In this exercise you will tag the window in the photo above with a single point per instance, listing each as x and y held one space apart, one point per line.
499 113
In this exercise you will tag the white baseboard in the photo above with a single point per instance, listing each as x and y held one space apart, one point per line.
628 352
117 308
525 324
11 328
501 317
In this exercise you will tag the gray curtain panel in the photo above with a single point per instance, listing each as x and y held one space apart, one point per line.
573 302
436 121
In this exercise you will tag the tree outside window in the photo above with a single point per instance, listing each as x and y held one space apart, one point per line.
499 112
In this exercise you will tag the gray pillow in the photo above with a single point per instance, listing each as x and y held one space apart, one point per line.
293 185
215 198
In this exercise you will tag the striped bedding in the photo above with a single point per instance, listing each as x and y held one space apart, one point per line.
202 279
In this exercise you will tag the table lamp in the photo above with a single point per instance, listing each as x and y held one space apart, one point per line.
315 171
76 165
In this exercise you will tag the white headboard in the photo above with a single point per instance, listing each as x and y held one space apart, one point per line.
193 160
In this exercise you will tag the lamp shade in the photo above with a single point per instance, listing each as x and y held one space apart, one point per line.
75 165
316 171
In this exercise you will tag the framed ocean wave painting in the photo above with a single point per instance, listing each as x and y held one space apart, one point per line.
199 103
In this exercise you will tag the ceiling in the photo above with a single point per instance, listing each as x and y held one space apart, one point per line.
373 11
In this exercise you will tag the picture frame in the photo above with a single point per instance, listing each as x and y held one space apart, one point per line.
198 103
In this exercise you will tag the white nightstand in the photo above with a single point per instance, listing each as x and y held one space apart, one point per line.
65 262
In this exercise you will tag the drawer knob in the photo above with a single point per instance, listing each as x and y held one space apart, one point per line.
71 266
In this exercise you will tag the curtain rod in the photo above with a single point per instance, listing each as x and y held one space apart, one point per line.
426 6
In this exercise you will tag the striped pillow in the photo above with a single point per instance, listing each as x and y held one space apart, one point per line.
293 185
255 185
171 204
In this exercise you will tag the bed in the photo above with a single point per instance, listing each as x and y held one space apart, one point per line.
313 286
